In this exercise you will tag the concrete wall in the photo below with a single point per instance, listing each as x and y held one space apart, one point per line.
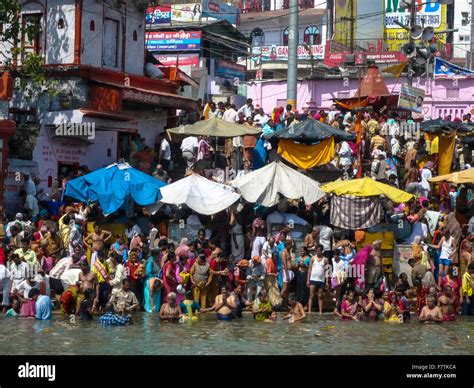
461 47
60 41
322 92
91 42
49 152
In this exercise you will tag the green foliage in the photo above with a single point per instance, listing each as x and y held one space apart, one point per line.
31 72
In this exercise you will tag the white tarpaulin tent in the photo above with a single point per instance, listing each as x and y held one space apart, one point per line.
200 194
263 185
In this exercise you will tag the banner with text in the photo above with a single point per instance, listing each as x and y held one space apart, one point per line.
411 98
173 40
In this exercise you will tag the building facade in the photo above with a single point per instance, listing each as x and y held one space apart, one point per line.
95 54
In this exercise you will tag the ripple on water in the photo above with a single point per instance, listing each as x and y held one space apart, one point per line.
317 335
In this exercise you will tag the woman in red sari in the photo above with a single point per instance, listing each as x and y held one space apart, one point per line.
170 282
453 280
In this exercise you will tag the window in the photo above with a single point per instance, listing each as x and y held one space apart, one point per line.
135 36
92 25
286 31
31 39
258 37
344 94
111 33
312 36
60 24
452 93
464 38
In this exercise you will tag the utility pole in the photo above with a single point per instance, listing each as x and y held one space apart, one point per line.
471 41
292 54
352 24
412 41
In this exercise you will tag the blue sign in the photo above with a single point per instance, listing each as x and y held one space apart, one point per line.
158 15
447 70
173 41
220 11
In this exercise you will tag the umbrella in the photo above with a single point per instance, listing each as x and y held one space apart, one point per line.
439 125
111 186
366 187
200 194
214 127
263 185
312 130
465 176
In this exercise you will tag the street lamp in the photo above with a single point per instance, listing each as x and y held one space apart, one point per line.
309 48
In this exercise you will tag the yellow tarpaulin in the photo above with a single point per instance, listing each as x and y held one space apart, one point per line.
446 152
465 176
307 156
366 187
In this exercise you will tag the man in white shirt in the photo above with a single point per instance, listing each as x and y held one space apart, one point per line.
261 118
247 109
426 175
165 151
268 249
4 285
189 147
230 115
71 275
18 220
325 239
132 228
119 273
19 271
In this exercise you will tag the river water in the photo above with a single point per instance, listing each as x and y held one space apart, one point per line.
148 336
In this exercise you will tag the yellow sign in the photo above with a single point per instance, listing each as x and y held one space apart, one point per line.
431 13
342 23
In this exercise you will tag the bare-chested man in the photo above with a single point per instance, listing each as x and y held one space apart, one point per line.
99 238
412 177
311 241
87 281
296 313
446 303
431 312
224 305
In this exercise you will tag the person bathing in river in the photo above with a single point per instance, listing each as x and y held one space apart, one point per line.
447 304
224 305
170 311
431 312
296 313
99 238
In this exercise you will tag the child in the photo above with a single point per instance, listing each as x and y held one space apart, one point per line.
86 306
15 310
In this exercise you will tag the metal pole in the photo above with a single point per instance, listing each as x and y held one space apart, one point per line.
471 41
412 23
352 26
292 54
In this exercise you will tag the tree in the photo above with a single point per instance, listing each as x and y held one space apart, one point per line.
31 71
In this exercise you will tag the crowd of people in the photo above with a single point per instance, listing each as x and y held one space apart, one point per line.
285 259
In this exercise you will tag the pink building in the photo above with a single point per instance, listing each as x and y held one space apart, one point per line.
443 97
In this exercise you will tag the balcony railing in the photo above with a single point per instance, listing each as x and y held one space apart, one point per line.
247 6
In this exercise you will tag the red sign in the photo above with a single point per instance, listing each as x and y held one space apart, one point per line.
337 59
181 60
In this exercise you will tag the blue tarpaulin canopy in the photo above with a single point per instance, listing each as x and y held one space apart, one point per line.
110 186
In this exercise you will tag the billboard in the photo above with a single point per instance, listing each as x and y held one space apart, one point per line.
447 70
342 24
280 53
221 11
158 15
179 59
229 69
411 98
180 13
173 40
431 13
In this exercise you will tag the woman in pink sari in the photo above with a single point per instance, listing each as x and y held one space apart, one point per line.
170 281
